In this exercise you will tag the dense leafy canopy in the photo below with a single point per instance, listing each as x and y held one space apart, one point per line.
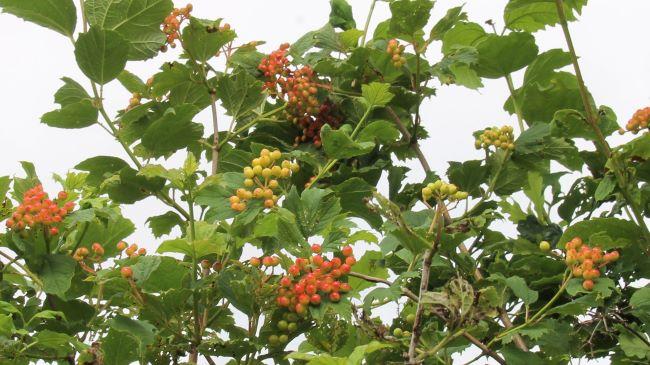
316 129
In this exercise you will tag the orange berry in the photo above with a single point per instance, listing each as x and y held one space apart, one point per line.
126 272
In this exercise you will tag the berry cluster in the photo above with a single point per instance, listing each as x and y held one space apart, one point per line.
82 253
498 137
37 210
443 191
328 113
639 121
287 325
134 101
310 280
263 175
268 261
131 251
395 51
172 24
586 261
299 88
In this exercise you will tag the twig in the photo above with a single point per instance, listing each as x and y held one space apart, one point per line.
407 135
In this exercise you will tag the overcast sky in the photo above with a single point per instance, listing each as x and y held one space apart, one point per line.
611 40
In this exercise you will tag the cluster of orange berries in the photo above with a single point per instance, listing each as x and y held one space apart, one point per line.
395 51
263 175
268 261
131 251
638 122
38 210
172 24
498 137
299 88
311 280
586 261
82 253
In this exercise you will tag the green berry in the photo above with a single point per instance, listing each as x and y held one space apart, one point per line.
292 327
273 340
283 339
545 246
397 332
410 318
283 325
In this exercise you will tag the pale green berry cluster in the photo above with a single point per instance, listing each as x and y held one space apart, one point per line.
443 191
502 138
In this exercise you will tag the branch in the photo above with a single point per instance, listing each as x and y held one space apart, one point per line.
405 291
407 135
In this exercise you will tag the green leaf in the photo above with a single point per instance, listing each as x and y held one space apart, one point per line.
409 17
60 15
534 15
97 168
451 18
462 35
7 327
138 21
468 175
315 209
132 83
163 224
77 115
341 15
142 331
619 232
371 263
203 39
119 348
56 273
605 187
200 248
239 93
521 290
353 193
603 286
503 55
237 287
640 303
173 131
380 131
376 94
338 144
71 92
570 123
101 54
631 344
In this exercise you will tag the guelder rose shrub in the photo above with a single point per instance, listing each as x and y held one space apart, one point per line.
311 129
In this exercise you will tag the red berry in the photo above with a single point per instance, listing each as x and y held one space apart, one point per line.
62 195
588 285
126 272
300 309
311 289
255 262
294 270
283 301
350 260
346 251
303 299
315 248
285 281
54 231
336 262
335 296
345 287
315 299
298 288
317 260
345 268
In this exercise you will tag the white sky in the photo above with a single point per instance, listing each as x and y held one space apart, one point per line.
610 39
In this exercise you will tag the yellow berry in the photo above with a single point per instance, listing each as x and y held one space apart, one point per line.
248 172
275 155
249 183
273 184
264 152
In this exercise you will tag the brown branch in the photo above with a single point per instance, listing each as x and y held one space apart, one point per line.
407 135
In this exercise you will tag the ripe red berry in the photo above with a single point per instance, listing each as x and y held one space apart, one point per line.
315 248
54 231
336 263
346 251
315 299
345 269
62 195
326 287
335 296
298 288
345 287
588 285
311 289
350 260
126 272
303 299
285 281
300 309
283 301
294 270
317 260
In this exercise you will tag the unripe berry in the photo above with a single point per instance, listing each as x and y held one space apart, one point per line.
410 318
545 246
121 246
397 332
255 262
98 249
588 285
335 296
282 325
